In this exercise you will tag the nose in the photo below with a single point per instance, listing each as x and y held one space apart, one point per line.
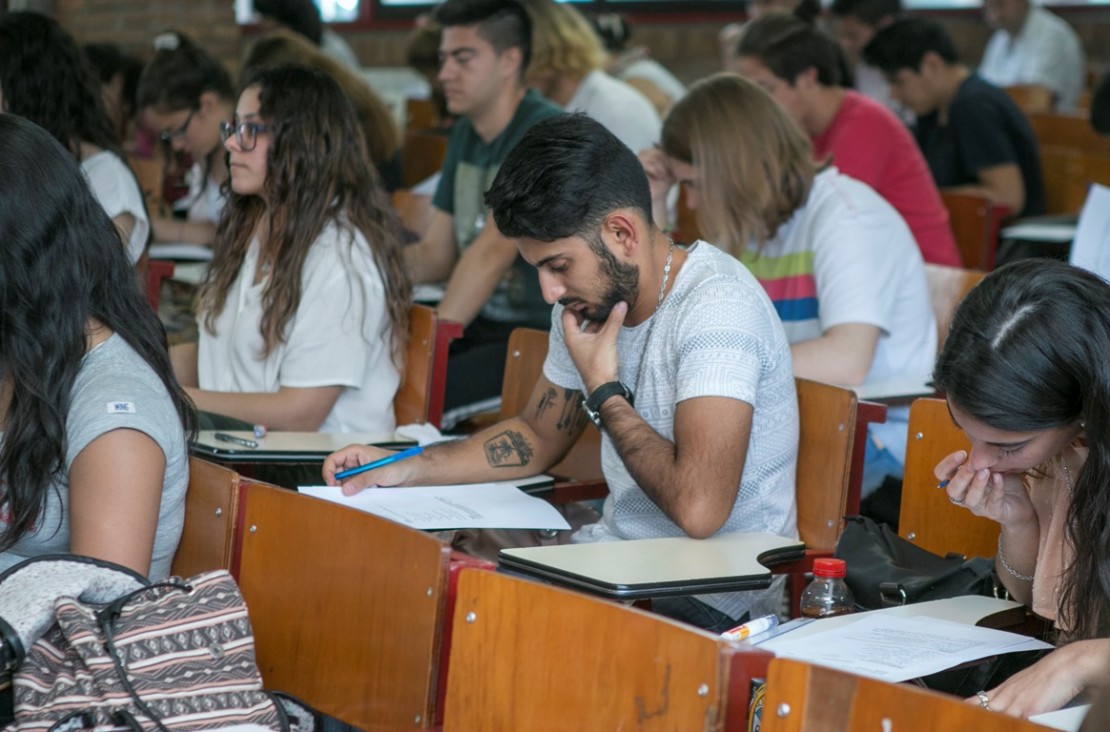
552 287
982 456
231 144
446 70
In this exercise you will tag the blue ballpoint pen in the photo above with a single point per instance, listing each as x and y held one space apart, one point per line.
379 463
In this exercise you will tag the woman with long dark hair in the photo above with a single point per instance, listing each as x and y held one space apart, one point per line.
94 457
1024 369
184 93
305 308
45 77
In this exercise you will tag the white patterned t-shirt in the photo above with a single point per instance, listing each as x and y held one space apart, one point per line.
715 335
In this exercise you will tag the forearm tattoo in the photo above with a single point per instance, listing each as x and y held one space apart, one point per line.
571 415
508 449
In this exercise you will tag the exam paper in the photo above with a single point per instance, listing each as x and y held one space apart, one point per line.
1091 247
897 648
462 506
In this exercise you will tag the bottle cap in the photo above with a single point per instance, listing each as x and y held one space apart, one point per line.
828 567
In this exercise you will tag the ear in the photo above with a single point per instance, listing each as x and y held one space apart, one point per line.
626 232
510 60
807 79
931 62
208 103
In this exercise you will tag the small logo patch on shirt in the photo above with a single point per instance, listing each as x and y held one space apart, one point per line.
121 408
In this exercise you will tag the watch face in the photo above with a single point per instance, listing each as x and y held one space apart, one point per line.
595 417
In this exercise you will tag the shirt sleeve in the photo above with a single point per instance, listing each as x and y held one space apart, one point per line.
855 261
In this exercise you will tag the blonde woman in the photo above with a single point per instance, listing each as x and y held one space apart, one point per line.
839 263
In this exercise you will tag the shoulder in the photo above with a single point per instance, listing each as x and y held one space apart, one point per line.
534 108
713 276
837 199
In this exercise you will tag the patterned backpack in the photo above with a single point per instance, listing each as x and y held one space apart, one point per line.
96 646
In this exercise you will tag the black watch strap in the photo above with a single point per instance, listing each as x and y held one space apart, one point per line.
600 395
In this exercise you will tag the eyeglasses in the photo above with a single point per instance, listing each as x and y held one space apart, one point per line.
171 135
246 133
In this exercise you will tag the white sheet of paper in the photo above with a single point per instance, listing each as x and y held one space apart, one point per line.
1069 719
1091 247
895 648
1031 231
464 506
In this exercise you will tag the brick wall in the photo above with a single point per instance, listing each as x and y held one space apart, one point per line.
690 50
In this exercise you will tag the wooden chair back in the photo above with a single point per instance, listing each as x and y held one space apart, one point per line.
927 518
1031 98
211 504
420 114
422 155
976 224
420 395
802 697
414 210
150 174
346 607
948 286
523 368
526 655
1062 129
1068 174
827 416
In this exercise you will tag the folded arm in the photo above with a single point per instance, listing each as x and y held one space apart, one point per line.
1002 184
297 409
431 258
477 273
842 355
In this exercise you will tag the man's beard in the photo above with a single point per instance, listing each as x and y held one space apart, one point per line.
622 284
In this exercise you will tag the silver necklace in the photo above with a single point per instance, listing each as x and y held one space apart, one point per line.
666 275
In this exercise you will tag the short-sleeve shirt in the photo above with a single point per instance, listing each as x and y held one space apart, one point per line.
623 110
1046 51
868 143
468 171
339 335
115 389
846 256
118 193
715 335
984 129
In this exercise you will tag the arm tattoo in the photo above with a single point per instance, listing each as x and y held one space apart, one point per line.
572 416
508 450
546 402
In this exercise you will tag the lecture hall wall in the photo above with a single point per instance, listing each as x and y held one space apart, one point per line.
689 48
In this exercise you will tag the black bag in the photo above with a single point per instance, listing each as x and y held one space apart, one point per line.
885 570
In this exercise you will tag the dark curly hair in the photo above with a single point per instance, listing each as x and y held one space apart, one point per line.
45 77
59 268
317 173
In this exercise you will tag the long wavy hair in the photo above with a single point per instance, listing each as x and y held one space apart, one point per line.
286 47
1027 351
60 266
46 78
755 164
317 173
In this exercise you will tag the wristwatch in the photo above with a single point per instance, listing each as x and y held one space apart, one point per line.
592 403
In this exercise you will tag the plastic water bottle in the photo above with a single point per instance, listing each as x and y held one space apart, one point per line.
827 594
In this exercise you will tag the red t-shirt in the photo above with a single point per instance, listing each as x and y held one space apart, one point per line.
868 143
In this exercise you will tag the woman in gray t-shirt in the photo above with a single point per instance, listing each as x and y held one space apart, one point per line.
93 457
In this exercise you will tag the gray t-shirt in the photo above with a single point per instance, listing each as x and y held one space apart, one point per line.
716 334
115 389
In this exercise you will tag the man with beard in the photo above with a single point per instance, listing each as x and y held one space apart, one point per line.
677 355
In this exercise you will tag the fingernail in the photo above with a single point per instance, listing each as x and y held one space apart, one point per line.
982 473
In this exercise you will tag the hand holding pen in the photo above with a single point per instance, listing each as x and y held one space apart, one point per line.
999 496
356 467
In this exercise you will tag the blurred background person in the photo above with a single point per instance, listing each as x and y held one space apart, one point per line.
303 17
634 64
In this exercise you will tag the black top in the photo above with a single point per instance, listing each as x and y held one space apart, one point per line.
985 128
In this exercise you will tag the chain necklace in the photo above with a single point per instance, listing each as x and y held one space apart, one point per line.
654 319
666 275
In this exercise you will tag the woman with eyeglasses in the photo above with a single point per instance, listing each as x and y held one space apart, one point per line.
184 93
305 309
46 78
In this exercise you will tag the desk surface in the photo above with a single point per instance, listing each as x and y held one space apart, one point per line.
667 567
289 446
